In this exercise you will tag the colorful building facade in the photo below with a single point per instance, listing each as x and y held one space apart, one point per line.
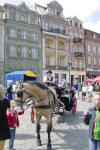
22 39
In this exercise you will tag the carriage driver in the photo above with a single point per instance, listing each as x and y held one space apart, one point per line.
49 79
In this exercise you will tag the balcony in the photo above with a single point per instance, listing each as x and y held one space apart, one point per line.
62 52
50 50
78 54
62 68
77 40
50 67
57 30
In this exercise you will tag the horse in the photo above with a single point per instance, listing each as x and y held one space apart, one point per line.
44 104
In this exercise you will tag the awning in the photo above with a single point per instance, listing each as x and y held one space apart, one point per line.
30 73
93 73
19 75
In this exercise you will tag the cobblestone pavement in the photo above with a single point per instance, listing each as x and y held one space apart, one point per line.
70 134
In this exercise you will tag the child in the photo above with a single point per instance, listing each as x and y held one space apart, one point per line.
92 118
13 122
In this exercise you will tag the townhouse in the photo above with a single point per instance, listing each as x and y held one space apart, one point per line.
92 47
54 39
22 46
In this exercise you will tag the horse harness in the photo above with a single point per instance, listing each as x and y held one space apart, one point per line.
49 92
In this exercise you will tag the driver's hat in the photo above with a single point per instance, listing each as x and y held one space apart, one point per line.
49 71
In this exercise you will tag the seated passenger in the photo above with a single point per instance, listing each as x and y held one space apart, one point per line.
61 85
48 79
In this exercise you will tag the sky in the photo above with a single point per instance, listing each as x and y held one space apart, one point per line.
88 11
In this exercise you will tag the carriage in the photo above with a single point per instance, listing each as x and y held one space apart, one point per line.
67 101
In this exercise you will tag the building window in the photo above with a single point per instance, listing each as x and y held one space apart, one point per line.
99 50
94 49
23 18
76 35
76 25
12 32
89 47
47 44
24 52
46 25
34 36
59 62
71 49
58 14
81 36
12 51
95 61
73 63
52 12
94 36
12 15
47 60
71 35
34 53
80 26
70 22
24 34
89 60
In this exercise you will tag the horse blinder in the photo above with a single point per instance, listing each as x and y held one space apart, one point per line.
20 93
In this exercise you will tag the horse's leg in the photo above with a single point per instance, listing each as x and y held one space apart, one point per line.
38 131
49 129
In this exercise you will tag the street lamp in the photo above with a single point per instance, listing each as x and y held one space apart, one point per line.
69 65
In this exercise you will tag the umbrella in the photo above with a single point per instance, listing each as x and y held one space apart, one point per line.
88 80
97 79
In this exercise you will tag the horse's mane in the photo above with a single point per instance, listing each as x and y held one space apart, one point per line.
39 84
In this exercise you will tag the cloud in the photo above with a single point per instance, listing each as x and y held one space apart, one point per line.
92 26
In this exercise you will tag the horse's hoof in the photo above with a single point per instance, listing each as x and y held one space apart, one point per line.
49 147
39 143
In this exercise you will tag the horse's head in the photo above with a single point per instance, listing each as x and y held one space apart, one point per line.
19 97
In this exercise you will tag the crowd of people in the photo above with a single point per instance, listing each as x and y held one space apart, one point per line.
87 89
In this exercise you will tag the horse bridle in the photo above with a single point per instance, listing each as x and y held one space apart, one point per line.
31 97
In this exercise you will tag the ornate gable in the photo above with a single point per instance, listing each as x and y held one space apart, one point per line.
55 4
23 7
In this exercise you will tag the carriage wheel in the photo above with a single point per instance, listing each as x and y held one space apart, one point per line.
74 106
32 115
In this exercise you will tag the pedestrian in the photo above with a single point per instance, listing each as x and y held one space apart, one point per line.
84 89
13 122
92 118
4 126
90 92
9 91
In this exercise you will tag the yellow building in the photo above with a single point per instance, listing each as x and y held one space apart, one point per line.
54 40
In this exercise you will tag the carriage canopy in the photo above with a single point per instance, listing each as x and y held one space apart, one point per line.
19 75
